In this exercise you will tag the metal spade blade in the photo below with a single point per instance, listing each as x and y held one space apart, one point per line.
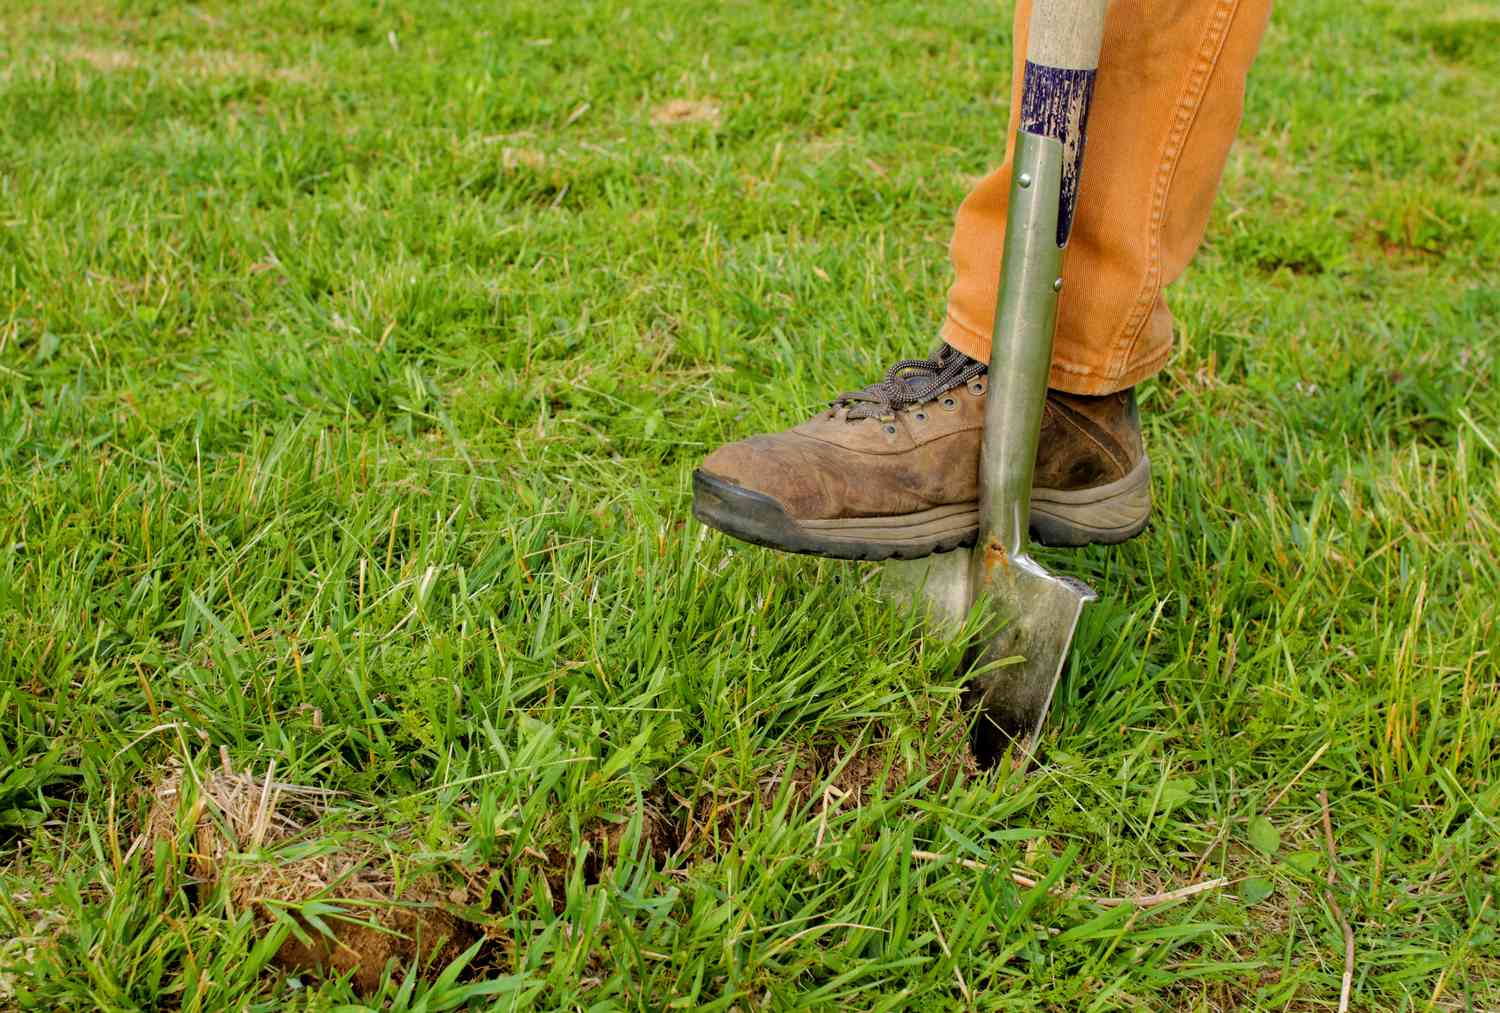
1034 614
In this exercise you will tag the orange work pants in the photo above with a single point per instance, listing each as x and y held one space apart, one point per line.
1166 106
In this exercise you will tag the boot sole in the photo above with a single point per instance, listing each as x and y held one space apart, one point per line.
1106 514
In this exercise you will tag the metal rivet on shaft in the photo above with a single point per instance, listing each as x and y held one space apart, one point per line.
1025 180
1057 285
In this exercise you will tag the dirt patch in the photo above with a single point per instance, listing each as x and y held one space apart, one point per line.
239 833
682 110
828 776
601 844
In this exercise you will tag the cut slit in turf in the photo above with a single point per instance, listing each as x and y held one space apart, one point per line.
229 828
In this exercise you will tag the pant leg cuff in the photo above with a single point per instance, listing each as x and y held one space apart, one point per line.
1069 377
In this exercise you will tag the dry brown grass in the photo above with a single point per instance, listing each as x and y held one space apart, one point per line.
682 110
189 64
236 829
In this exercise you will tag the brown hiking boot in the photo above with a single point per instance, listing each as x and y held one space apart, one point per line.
893 470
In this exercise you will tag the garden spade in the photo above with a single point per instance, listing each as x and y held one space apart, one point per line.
1028 615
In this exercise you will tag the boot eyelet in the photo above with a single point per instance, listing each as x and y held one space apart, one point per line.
891 430
976 388
919 416
949 403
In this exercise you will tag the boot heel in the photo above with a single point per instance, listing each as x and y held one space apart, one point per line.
1103 515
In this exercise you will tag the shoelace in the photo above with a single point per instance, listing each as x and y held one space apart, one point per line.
911 382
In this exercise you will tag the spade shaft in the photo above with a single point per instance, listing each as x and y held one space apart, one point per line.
1030 614
1021 350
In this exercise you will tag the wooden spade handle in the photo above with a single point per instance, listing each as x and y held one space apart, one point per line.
1066 33
1062 57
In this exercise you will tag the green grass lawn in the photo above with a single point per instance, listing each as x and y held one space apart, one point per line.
354 359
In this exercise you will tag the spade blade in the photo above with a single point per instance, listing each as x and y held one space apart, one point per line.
1030 621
